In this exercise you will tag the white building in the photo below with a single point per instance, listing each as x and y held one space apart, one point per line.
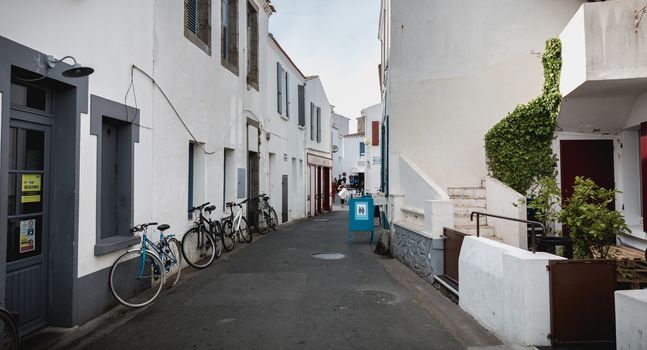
339 129
602 123
373 147
440 97
181 109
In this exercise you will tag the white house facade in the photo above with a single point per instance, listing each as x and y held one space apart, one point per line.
181 109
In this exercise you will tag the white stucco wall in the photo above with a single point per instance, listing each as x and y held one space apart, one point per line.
351 154
372 176
213 102
631 319
454 72
506 290
504 201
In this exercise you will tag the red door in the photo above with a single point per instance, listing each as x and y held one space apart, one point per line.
326 189
318 190
588 158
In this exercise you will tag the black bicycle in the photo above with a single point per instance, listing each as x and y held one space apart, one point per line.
200 244
265 217
8 331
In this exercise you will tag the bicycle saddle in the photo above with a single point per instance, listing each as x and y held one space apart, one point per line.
230 204
163 227
210 208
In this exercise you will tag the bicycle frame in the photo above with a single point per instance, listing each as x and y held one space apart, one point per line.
147 245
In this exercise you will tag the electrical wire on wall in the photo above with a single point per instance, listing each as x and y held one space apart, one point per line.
177 114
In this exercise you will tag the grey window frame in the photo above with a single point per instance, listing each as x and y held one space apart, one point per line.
199 33
229 57
319 124
302 105
279 88
103 108
253 46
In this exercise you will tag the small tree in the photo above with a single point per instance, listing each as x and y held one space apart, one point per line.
545 199
592 226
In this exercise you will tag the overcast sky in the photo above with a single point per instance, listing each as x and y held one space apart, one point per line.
337 40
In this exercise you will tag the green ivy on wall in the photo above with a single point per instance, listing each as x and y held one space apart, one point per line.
518 148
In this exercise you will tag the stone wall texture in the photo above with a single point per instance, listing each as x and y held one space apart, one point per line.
422 254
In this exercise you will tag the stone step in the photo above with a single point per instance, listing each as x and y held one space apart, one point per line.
466 192
467 210
478 204
464 220
485 231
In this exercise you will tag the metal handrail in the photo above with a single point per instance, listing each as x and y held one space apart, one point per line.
532 223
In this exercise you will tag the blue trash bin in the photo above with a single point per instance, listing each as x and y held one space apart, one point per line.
360 212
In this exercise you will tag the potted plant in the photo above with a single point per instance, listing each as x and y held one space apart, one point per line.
544 201
592 225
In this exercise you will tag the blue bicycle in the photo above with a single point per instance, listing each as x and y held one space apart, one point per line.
137 277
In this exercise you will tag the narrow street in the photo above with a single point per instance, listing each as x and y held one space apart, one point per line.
274 294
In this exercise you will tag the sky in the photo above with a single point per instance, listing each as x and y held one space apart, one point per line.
336 40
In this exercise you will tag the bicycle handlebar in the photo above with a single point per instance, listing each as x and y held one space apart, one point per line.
200 207
142 227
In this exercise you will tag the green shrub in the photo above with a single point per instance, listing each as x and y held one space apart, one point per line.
592 226
518 148
546 198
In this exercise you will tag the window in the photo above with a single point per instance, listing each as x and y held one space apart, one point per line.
229 35
362 148
190 177
287 95
195 178
252 46
312 121
29 96
318 124
197 23
116 128
375 133
279 88
302 106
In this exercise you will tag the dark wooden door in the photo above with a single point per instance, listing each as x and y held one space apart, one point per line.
589 158
284 199
253 167
27 226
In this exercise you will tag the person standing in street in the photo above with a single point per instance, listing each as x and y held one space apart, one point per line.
342 186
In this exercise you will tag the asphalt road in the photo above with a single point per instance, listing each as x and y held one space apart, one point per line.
275 295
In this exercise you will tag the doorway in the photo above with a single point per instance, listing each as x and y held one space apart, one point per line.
589 158
253 168
27 222
284 199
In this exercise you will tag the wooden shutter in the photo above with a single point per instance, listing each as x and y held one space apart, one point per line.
375 133
312 121
318 124
279 89
302 105
287 95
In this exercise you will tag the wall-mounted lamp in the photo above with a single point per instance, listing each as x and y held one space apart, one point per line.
77 70
267 136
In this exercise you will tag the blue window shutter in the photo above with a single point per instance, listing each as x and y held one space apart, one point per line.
192 16
279 89
361 148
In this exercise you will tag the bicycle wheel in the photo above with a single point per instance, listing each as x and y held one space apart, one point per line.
274 220
216 231
227 236
8 331
172 262
244 230
261 223
136 280
198 248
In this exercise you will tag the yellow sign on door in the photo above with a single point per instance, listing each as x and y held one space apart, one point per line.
31 182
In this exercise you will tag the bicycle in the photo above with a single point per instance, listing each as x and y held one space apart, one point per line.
138 275
200 243
235 226
9 338
265 218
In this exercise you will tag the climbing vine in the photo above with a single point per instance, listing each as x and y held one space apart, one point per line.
518 148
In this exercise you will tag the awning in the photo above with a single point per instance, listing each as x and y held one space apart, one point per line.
357 170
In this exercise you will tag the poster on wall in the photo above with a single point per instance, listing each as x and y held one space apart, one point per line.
31 187
27 235
361 211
